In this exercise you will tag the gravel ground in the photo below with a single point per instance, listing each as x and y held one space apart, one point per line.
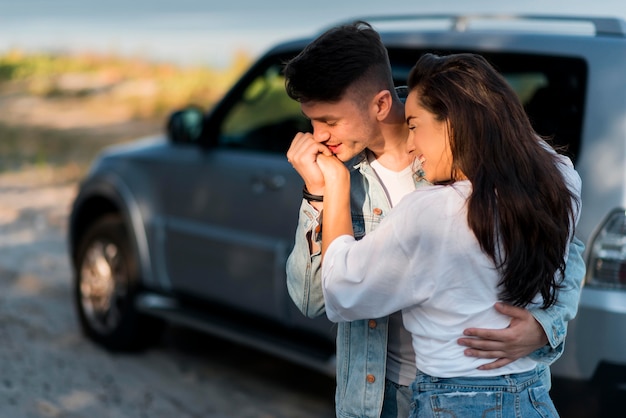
48 369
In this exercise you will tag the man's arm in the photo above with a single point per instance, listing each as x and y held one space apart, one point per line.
304 264
539 333
554 320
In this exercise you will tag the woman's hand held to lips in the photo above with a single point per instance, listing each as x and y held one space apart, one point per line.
332 168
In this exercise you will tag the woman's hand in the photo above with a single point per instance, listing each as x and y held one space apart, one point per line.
336 217
333 170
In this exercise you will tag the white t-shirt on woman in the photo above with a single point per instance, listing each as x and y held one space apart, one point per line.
424 259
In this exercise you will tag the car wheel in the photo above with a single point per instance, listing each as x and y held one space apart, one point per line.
107 282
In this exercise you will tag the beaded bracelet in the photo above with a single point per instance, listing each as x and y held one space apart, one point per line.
311 197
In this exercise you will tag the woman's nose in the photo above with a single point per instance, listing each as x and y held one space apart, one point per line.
410 144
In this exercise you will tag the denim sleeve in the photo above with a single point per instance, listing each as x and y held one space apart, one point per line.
554 319
304 277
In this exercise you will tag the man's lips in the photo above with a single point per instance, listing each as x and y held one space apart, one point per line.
334 148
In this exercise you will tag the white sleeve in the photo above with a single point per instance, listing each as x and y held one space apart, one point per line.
377 275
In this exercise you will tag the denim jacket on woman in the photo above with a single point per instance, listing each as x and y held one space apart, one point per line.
362 345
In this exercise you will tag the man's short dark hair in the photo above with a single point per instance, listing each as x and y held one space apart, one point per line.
340 57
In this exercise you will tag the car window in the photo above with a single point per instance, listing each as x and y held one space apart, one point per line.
554 101
527 83
264 118
551 88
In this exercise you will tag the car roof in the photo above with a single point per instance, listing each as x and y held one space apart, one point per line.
399 30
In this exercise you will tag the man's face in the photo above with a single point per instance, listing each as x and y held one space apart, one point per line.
345 127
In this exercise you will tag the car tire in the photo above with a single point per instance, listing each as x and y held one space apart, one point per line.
105 288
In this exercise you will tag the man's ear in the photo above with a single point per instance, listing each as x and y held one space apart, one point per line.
382 104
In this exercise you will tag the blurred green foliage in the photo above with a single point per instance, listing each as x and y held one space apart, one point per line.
152 88
133 89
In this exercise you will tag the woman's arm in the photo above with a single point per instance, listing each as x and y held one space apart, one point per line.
336 218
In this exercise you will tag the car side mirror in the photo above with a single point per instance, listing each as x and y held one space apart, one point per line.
185 126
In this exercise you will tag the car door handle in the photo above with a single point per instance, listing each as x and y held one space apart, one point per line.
275 182
268 182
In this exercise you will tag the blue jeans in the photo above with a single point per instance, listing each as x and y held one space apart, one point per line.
521 395
397 401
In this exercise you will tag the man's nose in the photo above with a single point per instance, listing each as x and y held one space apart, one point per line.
320 134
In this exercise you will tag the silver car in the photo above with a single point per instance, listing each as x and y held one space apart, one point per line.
194 226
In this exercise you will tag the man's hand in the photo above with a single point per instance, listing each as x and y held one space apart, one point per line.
523 336
302 155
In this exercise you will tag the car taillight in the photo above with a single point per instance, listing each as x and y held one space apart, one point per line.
607 256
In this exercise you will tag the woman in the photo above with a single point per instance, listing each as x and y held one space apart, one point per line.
494 225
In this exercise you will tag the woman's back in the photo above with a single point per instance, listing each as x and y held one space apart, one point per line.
425 260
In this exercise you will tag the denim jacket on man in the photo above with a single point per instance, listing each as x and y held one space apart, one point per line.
362 345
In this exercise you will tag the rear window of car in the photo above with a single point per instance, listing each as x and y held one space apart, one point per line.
551 88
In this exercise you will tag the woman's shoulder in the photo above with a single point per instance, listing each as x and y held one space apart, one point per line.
460 189
437 197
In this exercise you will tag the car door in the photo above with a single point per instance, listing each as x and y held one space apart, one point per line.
231 213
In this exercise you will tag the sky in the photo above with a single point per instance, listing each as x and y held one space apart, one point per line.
210 31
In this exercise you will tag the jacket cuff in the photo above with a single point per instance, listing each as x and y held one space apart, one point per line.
313 221
555 331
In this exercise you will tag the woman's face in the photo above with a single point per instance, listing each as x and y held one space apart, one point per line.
428 140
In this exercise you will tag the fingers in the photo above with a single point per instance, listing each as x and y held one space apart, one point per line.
487 348
509 334
482 353
302 155
496 364
523 336
304 148
500 335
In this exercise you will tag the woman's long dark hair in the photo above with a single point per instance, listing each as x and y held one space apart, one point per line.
520 208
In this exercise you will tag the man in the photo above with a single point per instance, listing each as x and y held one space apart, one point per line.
344 85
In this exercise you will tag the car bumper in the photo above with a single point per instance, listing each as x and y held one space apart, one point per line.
589 380
596 339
